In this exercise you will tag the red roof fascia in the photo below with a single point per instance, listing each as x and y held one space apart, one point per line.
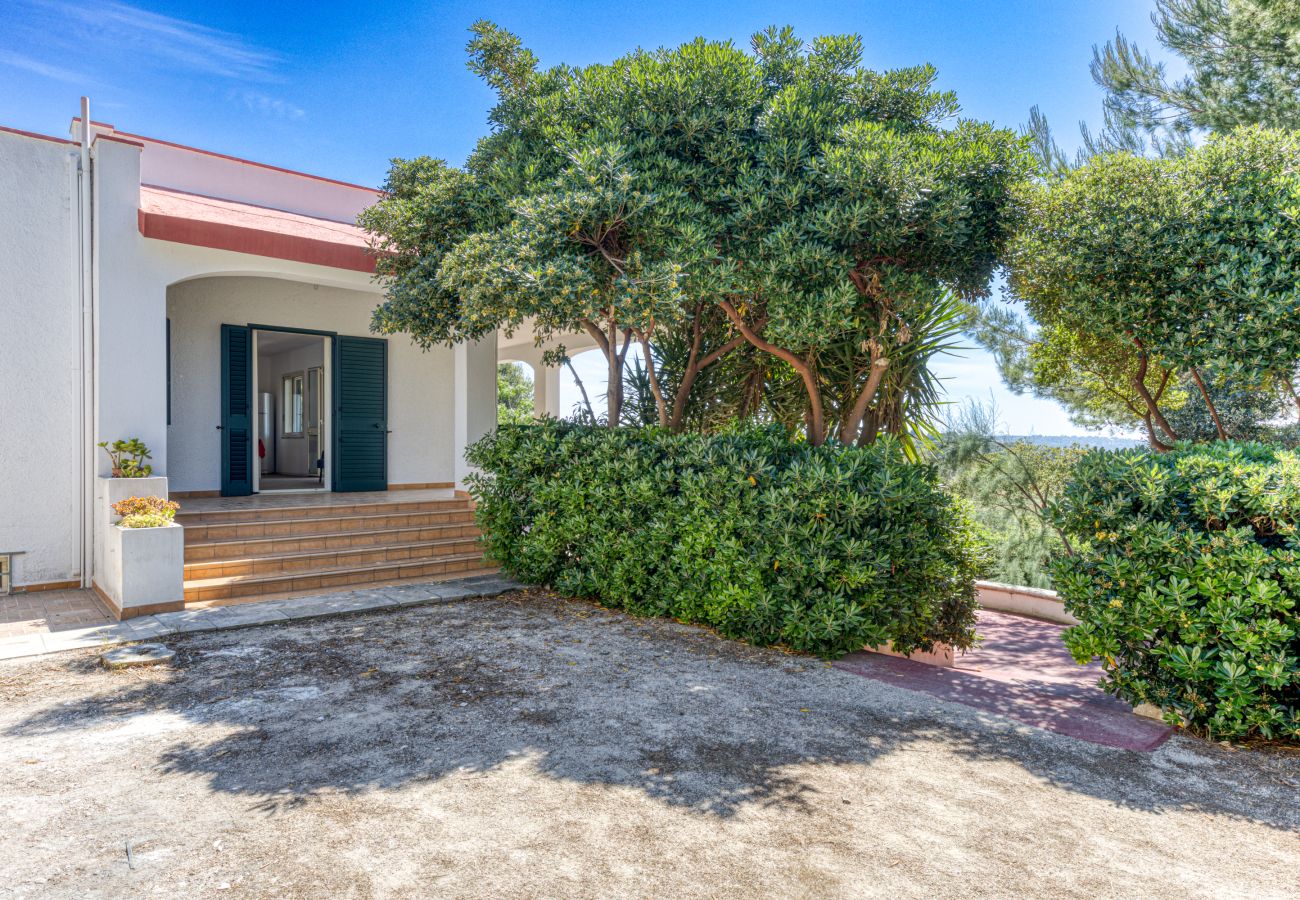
209 231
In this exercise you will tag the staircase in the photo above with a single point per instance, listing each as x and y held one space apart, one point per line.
250 552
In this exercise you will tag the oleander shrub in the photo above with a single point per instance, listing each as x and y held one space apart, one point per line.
1186 579
822 549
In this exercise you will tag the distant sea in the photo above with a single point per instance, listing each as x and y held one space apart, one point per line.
1082 440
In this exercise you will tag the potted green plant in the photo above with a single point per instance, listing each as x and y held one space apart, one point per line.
144 557
127 458
132 501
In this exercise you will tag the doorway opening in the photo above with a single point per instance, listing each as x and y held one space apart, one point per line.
291 371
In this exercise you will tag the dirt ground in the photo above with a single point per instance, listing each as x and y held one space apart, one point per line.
527 746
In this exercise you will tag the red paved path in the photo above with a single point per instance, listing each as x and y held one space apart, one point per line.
1023 671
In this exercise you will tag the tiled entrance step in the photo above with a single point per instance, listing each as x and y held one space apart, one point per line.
248 552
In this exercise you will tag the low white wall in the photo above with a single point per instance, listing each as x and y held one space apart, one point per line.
420 384
1024 601
40 385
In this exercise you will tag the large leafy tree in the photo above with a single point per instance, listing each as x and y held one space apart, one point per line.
597 204
514 395
1191 264
704 198
1241 67
865 211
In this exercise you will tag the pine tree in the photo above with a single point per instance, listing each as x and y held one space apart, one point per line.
1243 62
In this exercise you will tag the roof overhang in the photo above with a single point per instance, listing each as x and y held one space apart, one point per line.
184 218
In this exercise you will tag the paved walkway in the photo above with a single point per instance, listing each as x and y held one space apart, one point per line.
1023 671
37 612
220 618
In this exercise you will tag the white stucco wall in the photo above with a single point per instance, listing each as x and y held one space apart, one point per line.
475 367
420 401
40 385
39 344
216 175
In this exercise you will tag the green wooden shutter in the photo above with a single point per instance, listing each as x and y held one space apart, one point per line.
360 414
236 411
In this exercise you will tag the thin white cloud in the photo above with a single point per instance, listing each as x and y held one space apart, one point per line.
274 107
115 36
159 39
45 70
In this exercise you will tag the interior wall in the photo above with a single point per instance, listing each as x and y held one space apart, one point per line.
291 453
420 383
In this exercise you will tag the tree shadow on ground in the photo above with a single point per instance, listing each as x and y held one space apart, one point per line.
285 714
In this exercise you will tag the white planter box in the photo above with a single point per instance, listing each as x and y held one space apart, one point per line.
137 570
145 569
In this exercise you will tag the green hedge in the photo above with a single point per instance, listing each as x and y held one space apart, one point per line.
1186 582
823 550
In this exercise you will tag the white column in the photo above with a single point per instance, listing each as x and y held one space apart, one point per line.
546 389
131 321
475 398
550 375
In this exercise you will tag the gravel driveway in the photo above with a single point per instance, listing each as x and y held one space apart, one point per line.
528 746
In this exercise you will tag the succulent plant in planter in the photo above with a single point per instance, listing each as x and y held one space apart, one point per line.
145 512
142 564
128 458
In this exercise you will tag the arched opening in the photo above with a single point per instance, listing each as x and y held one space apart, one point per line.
278 384
517 392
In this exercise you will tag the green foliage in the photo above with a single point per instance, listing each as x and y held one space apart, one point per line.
1248 412
823 550
1010 485
1186 579
127 458
1241 59
704 196
514 395
1139 268
1091 375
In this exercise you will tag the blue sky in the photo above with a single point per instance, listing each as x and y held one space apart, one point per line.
338 88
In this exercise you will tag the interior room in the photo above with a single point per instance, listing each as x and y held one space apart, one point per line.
292 433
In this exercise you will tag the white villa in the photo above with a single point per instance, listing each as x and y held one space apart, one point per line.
218 309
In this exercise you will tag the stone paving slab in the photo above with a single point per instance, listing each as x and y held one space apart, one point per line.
1023 671
221 618
23 645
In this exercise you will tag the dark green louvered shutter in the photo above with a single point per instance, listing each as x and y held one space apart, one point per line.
360 414
236 411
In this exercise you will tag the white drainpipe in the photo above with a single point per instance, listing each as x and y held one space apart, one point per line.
87 355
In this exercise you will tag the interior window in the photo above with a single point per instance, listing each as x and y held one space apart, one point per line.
291 403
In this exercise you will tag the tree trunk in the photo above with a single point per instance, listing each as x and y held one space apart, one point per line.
1290 389
1214 413
851 427
694 366
661 406
1153 408
1156 444
586 401
816 415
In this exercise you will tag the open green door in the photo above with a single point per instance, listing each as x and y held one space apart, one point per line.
360 414
236 411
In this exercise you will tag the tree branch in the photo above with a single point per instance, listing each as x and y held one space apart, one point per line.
1214 413
816 415
1139 384
661 406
